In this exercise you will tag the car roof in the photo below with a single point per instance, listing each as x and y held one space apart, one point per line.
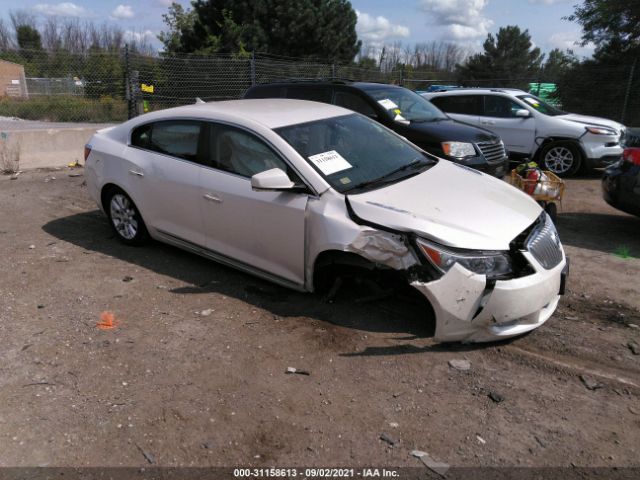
270 112
324 83
484 91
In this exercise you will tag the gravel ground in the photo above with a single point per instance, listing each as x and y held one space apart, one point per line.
194 372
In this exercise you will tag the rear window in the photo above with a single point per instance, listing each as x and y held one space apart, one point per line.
141 137
315 94
272 91
461 104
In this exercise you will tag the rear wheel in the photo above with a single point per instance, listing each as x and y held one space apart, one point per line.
124 217
561 158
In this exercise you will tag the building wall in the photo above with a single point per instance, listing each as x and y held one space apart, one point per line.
12 80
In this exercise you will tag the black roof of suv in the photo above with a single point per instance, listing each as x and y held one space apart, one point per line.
403 111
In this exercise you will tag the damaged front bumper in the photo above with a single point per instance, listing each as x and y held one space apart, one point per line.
468 308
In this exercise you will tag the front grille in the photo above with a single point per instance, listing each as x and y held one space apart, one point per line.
492 151
544 244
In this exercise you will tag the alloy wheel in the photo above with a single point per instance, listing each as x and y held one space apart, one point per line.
123 216
559 160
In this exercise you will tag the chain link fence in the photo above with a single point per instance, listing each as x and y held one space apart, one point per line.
100 86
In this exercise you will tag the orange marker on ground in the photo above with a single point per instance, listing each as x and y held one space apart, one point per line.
107 321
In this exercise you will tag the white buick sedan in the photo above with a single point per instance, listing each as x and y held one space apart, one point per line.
288 190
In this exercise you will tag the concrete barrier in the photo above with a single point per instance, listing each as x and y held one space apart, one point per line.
47 147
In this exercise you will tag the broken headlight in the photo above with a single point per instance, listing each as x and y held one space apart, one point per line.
493 264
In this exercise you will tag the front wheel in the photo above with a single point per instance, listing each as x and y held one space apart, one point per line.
561 158
125 219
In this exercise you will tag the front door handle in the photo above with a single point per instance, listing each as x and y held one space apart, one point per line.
212 198
136 172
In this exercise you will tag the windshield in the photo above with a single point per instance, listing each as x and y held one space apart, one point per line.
541 105
404 105
354 153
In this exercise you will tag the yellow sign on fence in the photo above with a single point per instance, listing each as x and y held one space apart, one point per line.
146 88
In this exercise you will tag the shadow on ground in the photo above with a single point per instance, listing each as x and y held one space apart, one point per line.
614 234
405 313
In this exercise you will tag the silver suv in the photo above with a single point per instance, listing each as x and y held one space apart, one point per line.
529 127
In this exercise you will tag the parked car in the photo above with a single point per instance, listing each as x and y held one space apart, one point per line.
290 190
404 112
561 142
621 182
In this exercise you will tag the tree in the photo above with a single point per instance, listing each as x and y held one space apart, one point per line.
28 38
178 20
508 60
558 62
305 28
612 25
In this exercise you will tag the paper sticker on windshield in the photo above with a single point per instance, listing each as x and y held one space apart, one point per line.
532 101
387 104
330 162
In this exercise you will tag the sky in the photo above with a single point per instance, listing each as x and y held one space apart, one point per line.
466 22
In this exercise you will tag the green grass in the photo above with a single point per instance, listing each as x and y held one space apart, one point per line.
623 252
65 108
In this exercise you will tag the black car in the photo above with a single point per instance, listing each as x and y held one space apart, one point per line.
621 182
404 112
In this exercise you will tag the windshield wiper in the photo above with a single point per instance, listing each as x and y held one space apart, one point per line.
419 162
425 120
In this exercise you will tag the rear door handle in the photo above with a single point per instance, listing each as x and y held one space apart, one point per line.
136 172
212 198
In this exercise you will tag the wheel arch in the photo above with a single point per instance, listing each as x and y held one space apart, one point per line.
330 262
105 190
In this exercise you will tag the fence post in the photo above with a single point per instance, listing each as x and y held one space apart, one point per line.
626 95
129 88
333 71
402 75
252 68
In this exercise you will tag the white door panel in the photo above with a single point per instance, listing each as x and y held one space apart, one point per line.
170 189
265 230
468 119
518 134
499 116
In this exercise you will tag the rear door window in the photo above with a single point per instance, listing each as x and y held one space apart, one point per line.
462 104
178 138
354 102
500 107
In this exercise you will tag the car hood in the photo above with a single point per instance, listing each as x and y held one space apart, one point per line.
595 121
446 131
452 205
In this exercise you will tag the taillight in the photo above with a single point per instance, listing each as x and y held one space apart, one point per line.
87 151
631 155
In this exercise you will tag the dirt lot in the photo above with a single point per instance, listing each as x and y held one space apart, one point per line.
194 373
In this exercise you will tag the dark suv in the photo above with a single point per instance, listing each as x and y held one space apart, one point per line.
404 112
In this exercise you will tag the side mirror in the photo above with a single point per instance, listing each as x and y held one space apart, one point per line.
523 112
274 179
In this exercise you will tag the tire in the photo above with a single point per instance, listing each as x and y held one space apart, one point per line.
124 218
562 158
